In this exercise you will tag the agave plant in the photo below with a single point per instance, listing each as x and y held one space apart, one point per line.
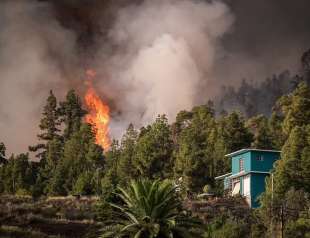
151 209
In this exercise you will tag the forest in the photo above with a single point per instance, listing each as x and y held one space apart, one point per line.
145 182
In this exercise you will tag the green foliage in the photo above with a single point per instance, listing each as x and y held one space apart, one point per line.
202 142
277 134
111 179
298 229
223 226
286 196
235 134
194 162
71 112
153 154
150 209
84 184
293 169
17 174
259 125
80 155
231 229
296 108
207 189
125 168
57 181
64 157
189 152
49 126
22 192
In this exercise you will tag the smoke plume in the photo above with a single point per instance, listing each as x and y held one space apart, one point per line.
164 58
36 53
151 57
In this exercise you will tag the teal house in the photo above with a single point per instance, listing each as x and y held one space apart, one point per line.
249 169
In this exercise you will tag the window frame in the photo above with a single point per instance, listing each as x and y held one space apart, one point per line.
241 164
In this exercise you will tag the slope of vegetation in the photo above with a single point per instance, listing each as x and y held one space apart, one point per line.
21 216
186 154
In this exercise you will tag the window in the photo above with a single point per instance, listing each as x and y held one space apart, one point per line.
241 165
260 158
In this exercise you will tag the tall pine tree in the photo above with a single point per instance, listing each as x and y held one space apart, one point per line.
153 156
71 114
126 170
49 126
194 159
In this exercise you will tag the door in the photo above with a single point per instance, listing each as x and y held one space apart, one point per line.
236 188
247 188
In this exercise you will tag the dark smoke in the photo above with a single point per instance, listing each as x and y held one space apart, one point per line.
268 37
48 45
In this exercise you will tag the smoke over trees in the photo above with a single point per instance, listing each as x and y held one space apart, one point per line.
152 57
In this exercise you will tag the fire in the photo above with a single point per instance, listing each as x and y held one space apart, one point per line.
99 113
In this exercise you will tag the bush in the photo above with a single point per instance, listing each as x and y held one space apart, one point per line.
22 192
232 230
298 229
223 227
84 184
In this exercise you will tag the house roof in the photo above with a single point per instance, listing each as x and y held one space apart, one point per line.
242 173
223 176
242 151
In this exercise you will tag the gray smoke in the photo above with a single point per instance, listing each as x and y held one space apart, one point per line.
35 53
152 57
165 58
268 37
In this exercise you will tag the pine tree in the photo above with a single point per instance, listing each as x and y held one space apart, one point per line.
291 170
295 108
50 147
71 114
81 155
56 185
125 169
259 125
234 132
286 194
18 175
49 125
277 135
111 179
153 156
194 156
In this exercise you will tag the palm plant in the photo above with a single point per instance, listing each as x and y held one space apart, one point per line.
151 209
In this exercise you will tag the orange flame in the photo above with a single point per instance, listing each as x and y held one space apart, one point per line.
99 113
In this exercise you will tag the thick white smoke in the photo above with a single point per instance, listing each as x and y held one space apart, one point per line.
165 57
31 44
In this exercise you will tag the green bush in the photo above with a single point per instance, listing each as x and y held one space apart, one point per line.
298 229
84 184
22 192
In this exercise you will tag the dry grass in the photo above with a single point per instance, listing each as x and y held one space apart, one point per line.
51 217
